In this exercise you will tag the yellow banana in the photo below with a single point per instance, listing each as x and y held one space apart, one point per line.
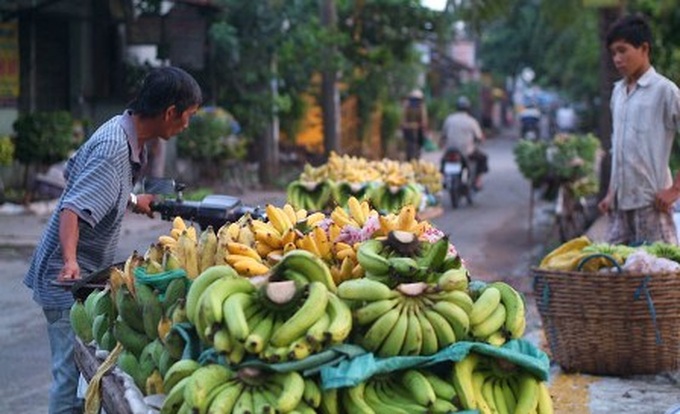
278 218
290 212
356 212
272 239
250 267
342 219
179 224
243 250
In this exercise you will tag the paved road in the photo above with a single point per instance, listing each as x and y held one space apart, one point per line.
493 237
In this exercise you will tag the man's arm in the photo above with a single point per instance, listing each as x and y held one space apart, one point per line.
68 238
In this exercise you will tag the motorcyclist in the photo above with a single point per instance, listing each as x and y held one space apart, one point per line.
530 118
462 131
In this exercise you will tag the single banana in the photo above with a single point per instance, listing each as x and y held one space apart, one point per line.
445 334
234 315
312 393
260 334
455 316
204 380
311 266
498 396
515 317
243 250
213 298
462 380
225 400
244 403
378 405
394 341
313 307
454 279
483 406
340 320
458 297
491 324
201 283
419 386
365 290
370 259
189 252
442 388
354 402
250 267
373 310
413 342
528 395
545 402
293 388
430 343
379 330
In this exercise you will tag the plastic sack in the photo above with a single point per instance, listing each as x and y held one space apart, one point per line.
158 281
351 372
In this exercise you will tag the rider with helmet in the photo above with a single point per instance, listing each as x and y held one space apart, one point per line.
462 131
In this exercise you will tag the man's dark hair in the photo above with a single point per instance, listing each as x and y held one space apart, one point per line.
164 87
632 29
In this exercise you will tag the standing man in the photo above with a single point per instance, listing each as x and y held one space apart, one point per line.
645 110
462 131
414 123
82 233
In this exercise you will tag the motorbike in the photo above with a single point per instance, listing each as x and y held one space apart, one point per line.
458 172
213 210
530 128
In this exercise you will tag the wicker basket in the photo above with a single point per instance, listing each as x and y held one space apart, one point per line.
610 323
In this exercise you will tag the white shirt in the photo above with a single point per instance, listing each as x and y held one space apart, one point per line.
460 130
644 125
565 118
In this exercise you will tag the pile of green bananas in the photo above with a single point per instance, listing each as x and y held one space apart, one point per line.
413 319
498 314
309 195
217 389
409 391
140 320
390 199
289 317
496 386
402 258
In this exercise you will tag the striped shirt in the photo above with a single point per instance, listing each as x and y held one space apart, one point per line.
644 125
99 179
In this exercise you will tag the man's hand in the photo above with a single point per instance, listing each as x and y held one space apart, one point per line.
70 271
605 205
666 198
143 205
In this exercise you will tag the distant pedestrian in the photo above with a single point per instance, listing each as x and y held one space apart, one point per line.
414 123
645 110
82 233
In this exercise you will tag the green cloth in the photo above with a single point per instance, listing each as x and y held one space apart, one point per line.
349 373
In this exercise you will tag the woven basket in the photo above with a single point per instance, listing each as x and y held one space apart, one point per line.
610 323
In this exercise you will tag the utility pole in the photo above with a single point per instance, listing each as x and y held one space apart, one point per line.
330 98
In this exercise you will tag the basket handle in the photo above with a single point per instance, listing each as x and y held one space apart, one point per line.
643 288
583 261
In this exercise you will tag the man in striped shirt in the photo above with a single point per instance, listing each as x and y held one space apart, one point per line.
82 233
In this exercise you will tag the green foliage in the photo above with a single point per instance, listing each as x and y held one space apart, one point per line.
568 158
391 118
43 137
209 137
6 150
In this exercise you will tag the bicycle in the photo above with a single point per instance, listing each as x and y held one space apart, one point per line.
573 213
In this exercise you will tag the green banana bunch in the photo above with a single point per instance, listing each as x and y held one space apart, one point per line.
498 314
497 386
309 196
413 319
404 392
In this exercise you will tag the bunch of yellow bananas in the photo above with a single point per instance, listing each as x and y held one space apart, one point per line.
356 215
405 220
427 174
346 264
